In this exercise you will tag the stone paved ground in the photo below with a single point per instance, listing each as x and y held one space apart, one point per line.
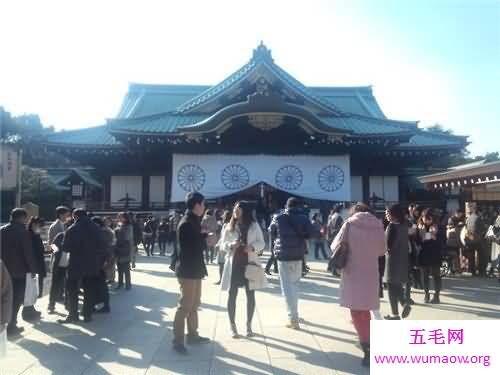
135 338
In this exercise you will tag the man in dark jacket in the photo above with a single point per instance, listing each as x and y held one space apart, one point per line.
475 243
291 229
84 242
190 270
17 255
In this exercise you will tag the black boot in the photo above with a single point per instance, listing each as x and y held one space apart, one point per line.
30 314
365 362
250 332
435 298
427 297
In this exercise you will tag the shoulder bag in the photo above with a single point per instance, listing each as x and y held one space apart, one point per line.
341 252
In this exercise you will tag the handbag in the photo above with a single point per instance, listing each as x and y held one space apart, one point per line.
256 276
31 291
340 253
64 260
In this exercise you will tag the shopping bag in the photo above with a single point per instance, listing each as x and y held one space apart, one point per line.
31 291
3 342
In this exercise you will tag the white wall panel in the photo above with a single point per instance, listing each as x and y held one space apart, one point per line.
356 188
377 186
157 189
386 187
123 185
391 188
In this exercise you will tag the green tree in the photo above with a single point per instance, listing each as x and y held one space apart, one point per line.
439 129
29 133
39 189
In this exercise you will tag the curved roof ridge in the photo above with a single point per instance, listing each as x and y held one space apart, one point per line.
213 91
261 57
301 87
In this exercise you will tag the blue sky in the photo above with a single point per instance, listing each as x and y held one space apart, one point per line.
434 61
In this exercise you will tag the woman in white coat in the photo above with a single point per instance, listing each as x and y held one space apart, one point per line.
242 240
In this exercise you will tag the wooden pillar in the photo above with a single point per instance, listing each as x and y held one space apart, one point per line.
106 191
168 182
366 188
168 179
145 191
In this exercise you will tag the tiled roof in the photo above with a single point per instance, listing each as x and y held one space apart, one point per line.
358 100
58 175
364 126
430 139
164 109
467 171
94 136
213 91
169 123
145 100
161 123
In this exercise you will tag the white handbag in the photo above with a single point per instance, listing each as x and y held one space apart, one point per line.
31 291
64 261
256 276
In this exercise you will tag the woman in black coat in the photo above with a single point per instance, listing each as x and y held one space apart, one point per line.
429 257
34 227
396 266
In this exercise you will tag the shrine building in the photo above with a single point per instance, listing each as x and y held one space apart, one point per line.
259 134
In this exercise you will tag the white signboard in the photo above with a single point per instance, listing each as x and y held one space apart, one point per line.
316 177
8 168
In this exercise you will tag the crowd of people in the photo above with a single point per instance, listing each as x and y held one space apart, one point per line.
91 254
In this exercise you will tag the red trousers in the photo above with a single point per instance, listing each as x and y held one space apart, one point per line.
361 321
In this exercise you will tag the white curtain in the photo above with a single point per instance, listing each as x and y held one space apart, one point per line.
316 177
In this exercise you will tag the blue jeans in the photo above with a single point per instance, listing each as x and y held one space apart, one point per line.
290 273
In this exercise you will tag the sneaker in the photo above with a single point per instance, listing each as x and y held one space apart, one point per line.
293 324
104 310
51 310
391 317
406 311
69 320
180 348
194 340
365 362
217 283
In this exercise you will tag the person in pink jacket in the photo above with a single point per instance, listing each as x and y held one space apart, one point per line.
359 283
